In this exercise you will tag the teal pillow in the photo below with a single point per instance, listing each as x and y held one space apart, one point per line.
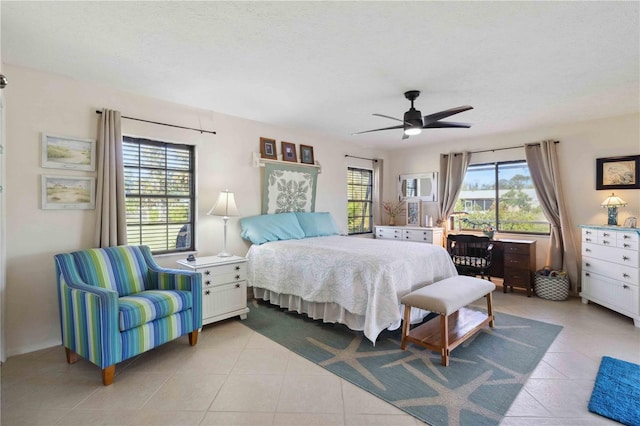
317 224
271 227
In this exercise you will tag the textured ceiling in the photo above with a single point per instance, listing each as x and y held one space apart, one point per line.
327 66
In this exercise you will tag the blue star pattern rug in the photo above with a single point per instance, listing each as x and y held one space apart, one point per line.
484 377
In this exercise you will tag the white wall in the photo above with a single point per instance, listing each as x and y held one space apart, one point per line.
580 145
39 102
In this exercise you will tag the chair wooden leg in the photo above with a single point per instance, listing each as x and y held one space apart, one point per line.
193 337
490 310
405 326
72 357
107 375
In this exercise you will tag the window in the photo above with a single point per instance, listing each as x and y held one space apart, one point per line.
159 194
360 199
500 195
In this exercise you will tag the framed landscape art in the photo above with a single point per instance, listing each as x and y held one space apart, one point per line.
68 192
64 152
618 172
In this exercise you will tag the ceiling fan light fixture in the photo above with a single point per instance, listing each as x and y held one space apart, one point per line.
412 131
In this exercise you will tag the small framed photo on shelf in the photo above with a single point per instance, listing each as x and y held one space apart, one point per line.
65 152
618 172
289 152
68 192
306 154
413 212
268 148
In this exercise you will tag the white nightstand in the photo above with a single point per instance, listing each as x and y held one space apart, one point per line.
224 286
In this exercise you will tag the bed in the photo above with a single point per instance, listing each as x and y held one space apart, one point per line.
304 266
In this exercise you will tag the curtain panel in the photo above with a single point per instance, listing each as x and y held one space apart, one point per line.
111 222
542 159
453 167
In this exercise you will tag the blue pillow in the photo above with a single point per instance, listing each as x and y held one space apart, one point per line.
317 224
271 227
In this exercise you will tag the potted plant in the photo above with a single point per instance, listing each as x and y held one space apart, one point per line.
393 209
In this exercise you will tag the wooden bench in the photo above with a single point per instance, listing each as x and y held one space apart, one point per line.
455 323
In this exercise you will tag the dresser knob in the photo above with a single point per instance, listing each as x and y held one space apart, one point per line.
237 267
588 250
606 235
605 242
237 285
207 272
625 245
587 232
626 275
625 258
625 237
207 292
237 277
587 274
207 282
588 240
587 264
625 286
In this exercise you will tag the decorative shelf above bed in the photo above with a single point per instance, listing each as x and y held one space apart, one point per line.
260 162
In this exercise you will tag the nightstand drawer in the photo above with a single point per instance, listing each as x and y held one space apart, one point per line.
516 261
512 248
518 277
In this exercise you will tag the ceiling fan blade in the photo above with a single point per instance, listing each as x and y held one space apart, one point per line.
386 116
377 130
445 124
446 113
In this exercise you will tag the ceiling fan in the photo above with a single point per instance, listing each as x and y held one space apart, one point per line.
413 122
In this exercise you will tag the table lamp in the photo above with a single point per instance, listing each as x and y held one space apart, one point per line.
612 203
225 206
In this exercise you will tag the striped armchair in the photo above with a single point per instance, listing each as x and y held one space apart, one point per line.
116 303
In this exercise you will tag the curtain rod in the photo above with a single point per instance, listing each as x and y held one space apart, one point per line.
165 124
509 147
362 158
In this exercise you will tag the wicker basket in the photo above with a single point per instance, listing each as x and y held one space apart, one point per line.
552 287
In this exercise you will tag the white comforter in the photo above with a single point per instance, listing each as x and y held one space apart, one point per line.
366 277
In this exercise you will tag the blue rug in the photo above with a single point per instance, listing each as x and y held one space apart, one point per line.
485 373
616 393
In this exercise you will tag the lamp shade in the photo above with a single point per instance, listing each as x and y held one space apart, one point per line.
613 201
225 205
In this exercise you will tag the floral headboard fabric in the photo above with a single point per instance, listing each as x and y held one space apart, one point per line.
289 188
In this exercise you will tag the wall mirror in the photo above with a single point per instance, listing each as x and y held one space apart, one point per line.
423 186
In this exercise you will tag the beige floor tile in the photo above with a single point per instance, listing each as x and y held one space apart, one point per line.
562 398
186 392
308 419
129 392
262 361
311 394
301 365
209 360
545 371
79 417
527 406
166 418
29 415
249 393
573 365
237 419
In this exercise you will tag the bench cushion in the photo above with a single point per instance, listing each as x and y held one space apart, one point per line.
447 296
150 305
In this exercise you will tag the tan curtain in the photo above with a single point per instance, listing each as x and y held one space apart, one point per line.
111 223
453 167
377 192
542 159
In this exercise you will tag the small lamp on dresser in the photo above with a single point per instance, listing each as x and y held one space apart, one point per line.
612 203
225 206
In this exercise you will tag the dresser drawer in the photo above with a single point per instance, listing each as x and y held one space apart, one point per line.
511 248
416 235
389 233
624 273
612 254
516 261
611 293
518 277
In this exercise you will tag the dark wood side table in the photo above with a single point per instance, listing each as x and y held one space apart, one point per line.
519 264
515 261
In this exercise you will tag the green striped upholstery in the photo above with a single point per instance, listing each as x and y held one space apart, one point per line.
102 292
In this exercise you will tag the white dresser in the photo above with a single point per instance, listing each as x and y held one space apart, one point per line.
410 233
224 286
611 269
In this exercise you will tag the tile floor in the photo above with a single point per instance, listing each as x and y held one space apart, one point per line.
236 376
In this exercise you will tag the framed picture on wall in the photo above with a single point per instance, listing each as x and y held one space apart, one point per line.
65 152
68 192
268 148
306 154
413 212
289 152
618 172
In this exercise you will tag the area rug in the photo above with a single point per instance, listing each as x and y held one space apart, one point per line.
616 392
484 376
